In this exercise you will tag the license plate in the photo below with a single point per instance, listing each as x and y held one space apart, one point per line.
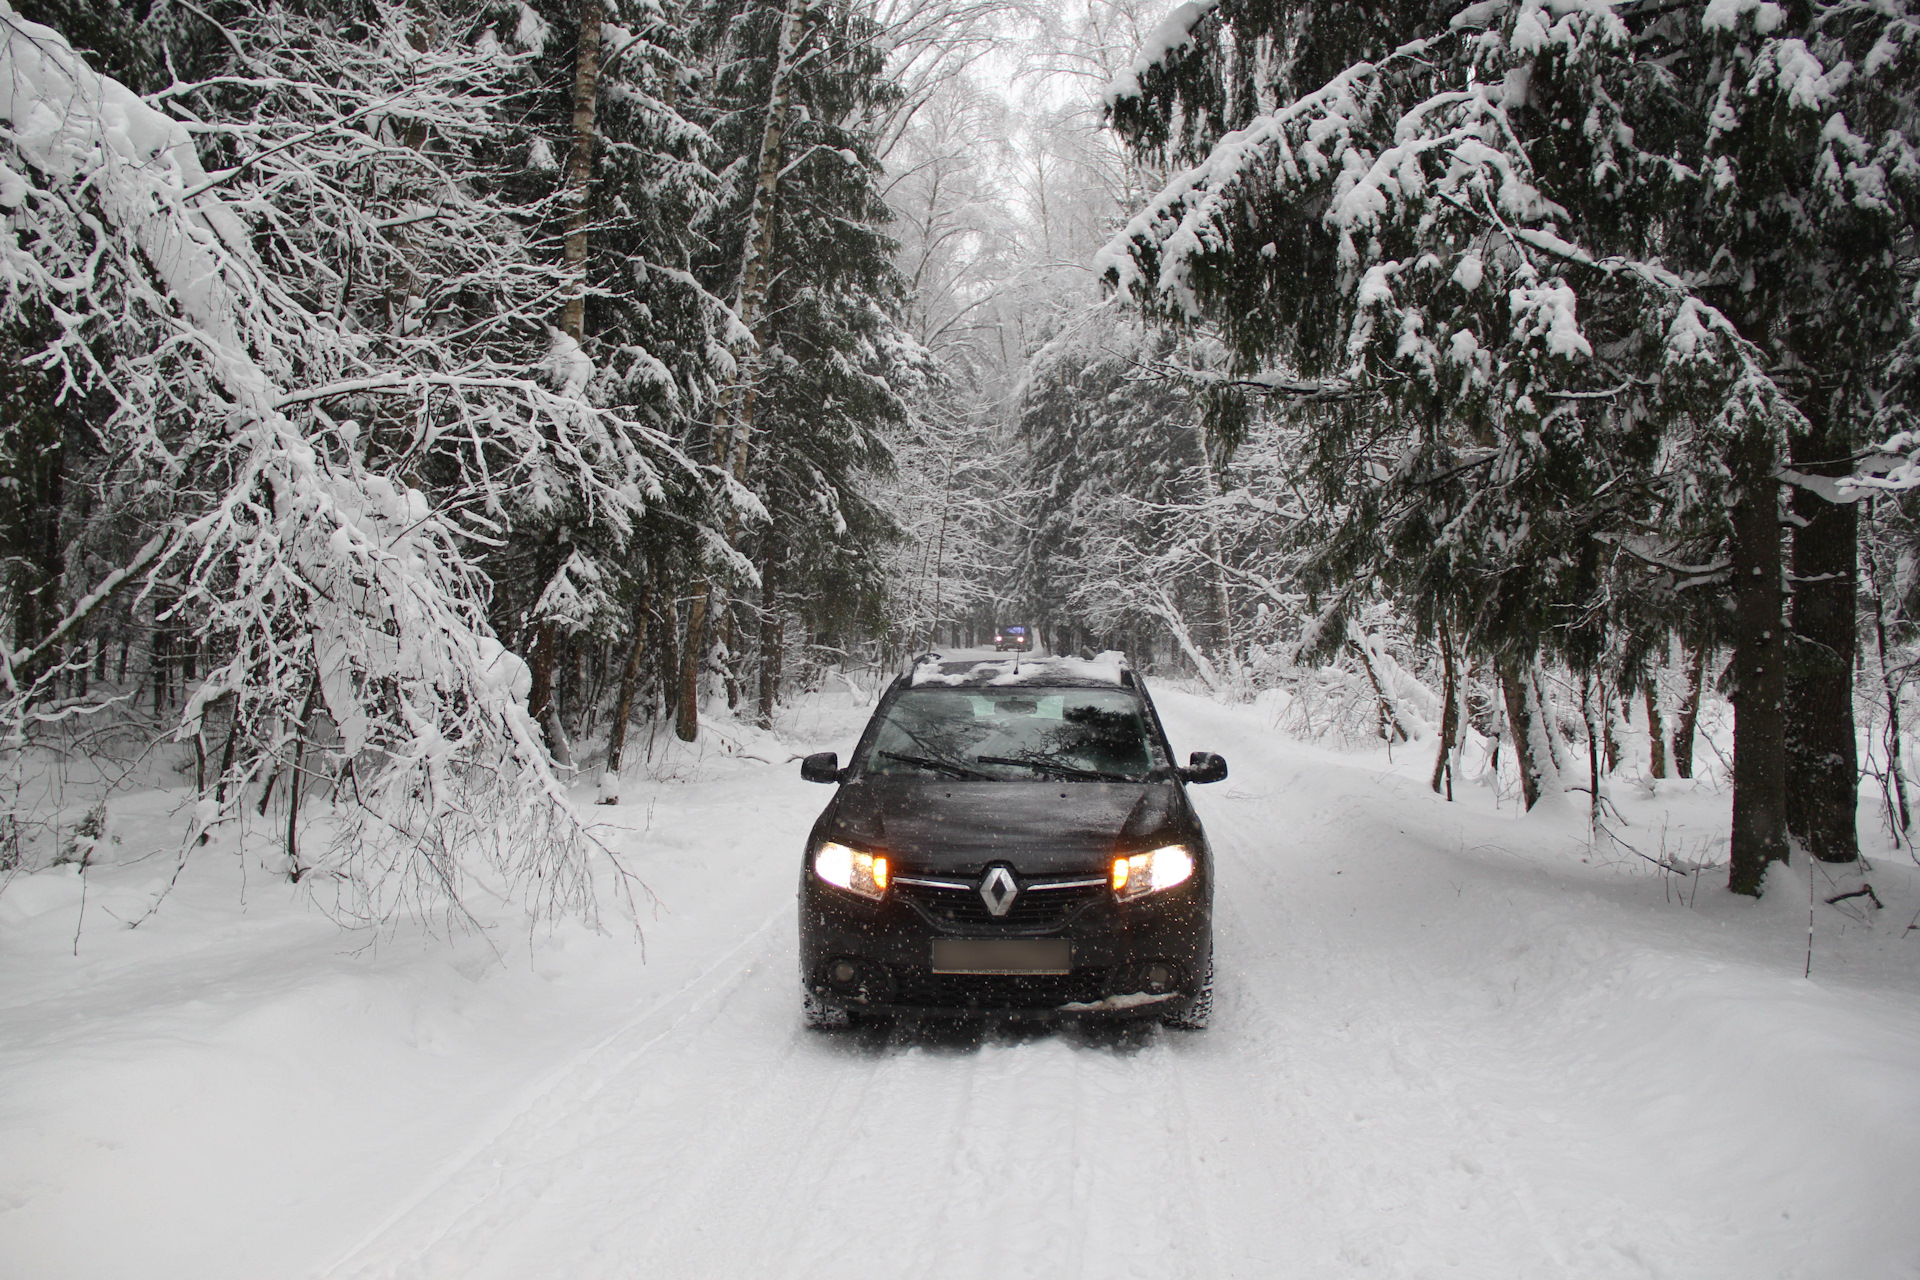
1002 955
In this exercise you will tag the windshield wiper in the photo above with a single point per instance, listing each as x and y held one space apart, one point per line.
1061 770
939 766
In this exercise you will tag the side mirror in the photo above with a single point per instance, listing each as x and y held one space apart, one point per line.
1204 766
822 767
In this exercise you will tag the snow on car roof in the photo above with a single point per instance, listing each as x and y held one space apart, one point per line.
1104 668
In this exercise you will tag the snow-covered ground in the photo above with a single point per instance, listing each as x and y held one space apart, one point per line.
1447 1043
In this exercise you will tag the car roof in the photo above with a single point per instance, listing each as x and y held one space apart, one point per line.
962 670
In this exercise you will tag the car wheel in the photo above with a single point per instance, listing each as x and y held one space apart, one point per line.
821 1016
1196 1015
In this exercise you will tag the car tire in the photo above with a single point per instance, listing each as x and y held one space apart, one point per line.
1196 1015
821 1016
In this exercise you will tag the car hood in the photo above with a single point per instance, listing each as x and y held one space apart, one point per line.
1042 828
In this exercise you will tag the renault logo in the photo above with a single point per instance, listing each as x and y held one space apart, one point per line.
998 891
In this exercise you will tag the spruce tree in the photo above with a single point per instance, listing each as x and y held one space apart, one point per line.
1584 270
792 93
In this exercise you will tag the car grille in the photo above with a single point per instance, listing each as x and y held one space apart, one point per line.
1034 910
919 988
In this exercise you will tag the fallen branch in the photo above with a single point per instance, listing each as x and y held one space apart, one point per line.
1674 867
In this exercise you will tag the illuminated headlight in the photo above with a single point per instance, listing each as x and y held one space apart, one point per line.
852 870
1150 872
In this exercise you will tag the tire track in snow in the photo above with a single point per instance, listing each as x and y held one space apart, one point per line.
1175 1083
896 1152
926 1248
467 1179
1311 1132
735 1189
1367 1132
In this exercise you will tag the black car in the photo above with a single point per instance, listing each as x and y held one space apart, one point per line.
1005 638
1011 836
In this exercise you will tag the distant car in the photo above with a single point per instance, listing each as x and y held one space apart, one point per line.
1010 836
1005 638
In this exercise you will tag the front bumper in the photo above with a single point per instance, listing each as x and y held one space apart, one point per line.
889 946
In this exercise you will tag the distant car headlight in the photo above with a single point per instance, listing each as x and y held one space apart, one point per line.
1143 873
852 870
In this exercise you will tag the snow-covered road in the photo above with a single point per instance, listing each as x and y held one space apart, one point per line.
1443 1045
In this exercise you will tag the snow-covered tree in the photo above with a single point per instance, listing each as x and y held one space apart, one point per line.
1558 260
792 98
615 187
328 384
1112 451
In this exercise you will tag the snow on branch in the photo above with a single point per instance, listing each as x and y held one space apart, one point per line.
1174 33
1889 466
1481 300
290 527
1184 219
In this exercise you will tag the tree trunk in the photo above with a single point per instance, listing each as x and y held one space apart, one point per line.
939 579
1176 626
557 744
1449 717
32 550
1822 784
771 669
686 716
1392 724
667 640
1689 715
586 99
1656 730
732 432
729 644
1222 605
1760 678
586 90
159 660
540 695
760 211
773 634
294 783
585 688
1548 713
1899 812
1609 734
1532 751
623 703
226 765
1593 750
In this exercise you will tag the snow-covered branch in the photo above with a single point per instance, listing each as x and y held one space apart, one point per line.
294 533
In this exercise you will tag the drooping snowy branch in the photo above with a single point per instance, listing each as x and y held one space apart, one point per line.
283 444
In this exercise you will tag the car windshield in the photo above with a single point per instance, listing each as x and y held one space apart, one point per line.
1090 735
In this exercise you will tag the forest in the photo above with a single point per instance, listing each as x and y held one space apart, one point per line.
413 406
469 468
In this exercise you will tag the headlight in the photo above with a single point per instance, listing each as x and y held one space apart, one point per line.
852 870
1145 873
